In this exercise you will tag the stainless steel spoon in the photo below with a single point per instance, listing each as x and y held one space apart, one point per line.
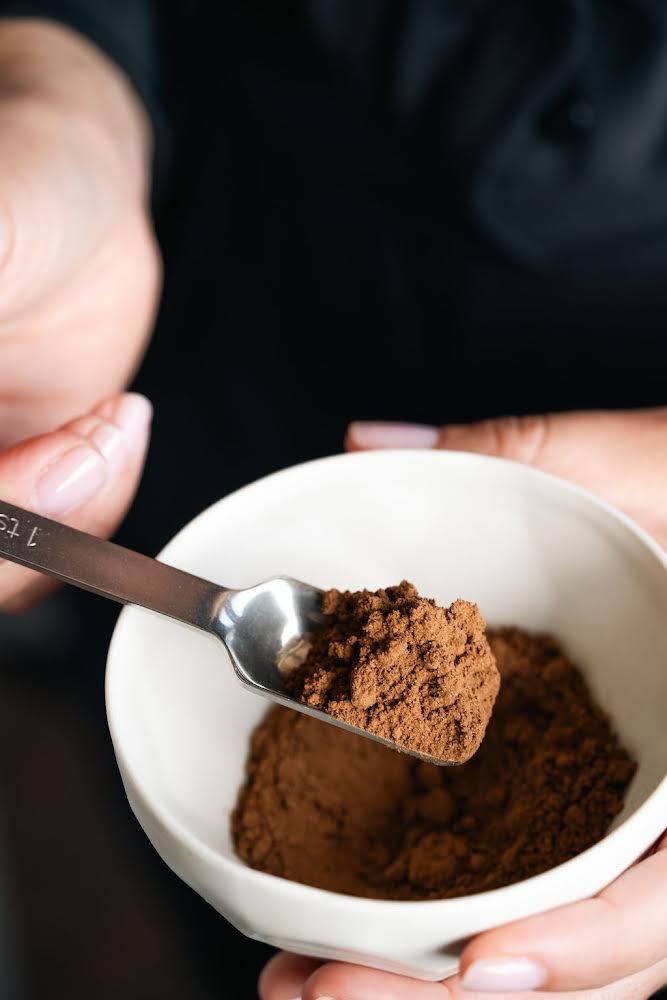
265 629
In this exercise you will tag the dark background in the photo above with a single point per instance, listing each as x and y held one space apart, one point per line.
415 211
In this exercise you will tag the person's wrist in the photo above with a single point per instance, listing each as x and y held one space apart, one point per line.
52 74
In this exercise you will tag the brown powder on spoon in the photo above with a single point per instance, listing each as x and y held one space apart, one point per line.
341 812
399 666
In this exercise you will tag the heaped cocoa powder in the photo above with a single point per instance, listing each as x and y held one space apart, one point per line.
399 666
341 812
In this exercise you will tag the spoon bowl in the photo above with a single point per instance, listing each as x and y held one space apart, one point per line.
266 632
265 629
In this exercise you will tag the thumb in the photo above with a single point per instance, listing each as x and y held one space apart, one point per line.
85 474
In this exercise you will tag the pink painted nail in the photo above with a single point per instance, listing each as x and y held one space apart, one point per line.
132 413
368 435
126 421
79 473
71 480
504 975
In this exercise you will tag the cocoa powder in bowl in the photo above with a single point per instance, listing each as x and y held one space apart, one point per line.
399 666
340 812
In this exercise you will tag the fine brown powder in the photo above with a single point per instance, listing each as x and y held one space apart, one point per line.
340 812
399 666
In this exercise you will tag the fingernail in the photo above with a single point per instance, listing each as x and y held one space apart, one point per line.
133 413
366 434
125 425
113 431
504 975
71 480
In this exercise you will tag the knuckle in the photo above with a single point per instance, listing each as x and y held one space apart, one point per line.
85 425
504 436
520 438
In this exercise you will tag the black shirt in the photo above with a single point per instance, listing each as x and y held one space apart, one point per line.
420 210
431 210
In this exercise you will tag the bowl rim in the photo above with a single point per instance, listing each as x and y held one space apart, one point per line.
233 865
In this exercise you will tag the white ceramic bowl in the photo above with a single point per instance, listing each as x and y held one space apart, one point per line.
530 549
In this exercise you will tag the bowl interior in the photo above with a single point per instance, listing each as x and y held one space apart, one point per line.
530 550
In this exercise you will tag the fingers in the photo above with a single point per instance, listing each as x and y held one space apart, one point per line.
289 977
611 938
518 438
74 157
639 986
585 945
66 178
620 455
339 981
84 473
50 211
283 977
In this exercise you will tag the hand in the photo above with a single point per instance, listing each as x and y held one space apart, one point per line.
620 456
615 945
79 280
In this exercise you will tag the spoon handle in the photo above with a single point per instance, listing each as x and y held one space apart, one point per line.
106 568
